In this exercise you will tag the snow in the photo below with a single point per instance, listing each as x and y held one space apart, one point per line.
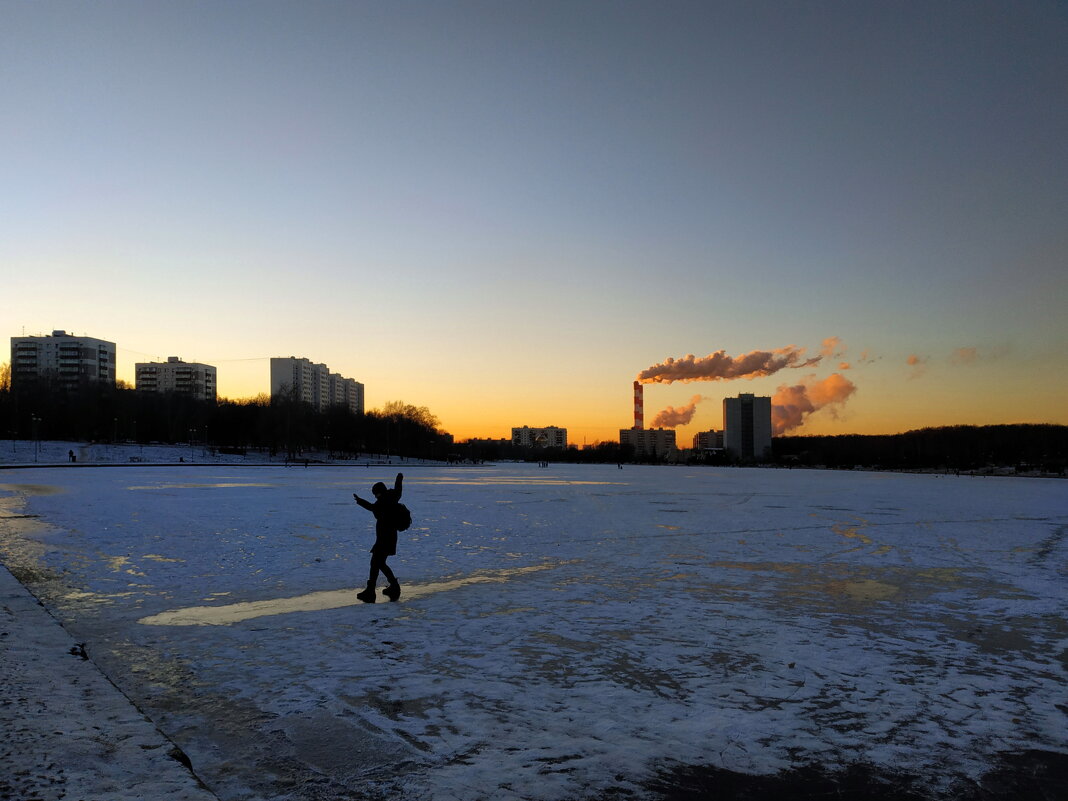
66 727
564 631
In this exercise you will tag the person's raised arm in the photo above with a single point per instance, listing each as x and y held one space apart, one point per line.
398 485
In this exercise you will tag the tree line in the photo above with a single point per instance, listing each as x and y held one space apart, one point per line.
1041 447
286 426
280 425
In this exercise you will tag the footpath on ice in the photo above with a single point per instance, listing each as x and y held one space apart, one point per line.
68 731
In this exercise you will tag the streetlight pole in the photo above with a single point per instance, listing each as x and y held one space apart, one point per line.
36 436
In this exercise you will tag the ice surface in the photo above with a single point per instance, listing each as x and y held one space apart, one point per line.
563 631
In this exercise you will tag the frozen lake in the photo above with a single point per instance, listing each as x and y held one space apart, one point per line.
568 632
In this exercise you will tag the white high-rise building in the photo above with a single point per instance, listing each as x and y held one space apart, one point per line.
347 392
315 384
547 437
747 426
62 357
184 378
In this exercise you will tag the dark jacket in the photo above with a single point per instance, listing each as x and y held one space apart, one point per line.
384 509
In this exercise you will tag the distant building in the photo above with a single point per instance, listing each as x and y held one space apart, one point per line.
347 392
708 440
183 378
488 442
747 426
649 441
547 437
486 448
315 384
61 357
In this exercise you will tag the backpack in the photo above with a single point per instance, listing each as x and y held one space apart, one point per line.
402 518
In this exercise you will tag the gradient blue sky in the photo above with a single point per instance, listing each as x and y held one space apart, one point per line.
505 210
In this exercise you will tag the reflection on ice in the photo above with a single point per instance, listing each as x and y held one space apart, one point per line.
863 589
31 489
219 485
515 481
316 601
852 532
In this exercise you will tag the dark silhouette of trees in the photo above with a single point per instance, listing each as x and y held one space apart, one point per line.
285 426
1041 447
282 426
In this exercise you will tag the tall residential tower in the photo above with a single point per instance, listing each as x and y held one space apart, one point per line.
314 384
747 427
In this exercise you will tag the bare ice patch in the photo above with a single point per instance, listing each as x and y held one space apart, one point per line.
186 485
316 601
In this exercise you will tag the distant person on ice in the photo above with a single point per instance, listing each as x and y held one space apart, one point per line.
385 509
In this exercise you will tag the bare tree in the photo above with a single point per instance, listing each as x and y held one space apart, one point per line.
416 414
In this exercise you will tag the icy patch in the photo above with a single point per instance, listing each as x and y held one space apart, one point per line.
316 601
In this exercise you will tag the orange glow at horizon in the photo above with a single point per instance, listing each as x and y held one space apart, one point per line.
885 400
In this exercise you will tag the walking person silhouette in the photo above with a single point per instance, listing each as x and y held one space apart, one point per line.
385 510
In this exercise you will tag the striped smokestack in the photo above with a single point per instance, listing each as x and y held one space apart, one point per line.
639 406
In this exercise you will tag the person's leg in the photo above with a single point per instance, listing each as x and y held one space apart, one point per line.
393 590
386 571
368 593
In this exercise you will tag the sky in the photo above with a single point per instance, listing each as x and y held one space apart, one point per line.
507 211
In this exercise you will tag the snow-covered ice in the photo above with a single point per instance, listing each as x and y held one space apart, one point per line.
65 730
564 631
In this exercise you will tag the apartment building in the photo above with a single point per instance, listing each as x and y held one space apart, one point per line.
69 360
314 384
547 437
747 426
183 378
649 441
708 440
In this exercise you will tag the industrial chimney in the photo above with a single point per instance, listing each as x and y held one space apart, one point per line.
639 406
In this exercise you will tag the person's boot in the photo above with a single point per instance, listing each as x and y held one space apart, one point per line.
392 591
368 595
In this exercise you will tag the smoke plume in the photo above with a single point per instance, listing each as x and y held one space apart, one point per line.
791 405
832 347
964 356
719 366
671 417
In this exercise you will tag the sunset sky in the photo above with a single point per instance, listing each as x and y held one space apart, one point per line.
505 211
